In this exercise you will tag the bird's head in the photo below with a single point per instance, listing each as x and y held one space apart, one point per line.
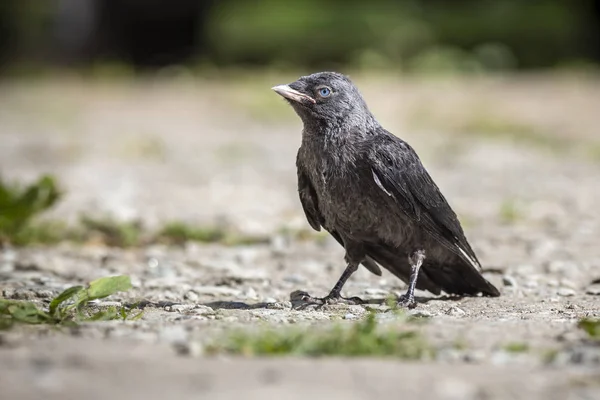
325 96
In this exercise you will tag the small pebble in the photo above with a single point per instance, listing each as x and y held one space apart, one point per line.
530 284
356 309
191 296
280 305
567 283
202 310
594 290
179 307
420 313
350 316
250 293
23 294
508 280
566 292
456 312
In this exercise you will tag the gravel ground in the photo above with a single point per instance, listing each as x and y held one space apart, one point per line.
207 152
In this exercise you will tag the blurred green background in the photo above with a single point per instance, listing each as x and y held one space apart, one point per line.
414 35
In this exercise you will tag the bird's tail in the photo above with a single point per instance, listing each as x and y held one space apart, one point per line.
460 279
399 266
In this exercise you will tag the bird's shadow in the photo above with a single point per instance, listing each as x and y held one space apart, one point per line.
301 304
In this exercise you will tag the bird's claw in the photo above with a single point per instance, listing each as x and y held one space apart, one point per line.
405 301
342 300
304 299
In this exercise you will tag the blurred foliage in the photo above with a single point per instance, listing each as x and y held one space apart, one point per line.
71 306
516 347
591 326
19 204
363 338
77 309
179 233
110 231
413 35
417 35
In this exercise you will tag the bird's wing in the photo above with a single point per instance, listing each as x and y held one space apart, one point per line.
398 172
308 198
310 204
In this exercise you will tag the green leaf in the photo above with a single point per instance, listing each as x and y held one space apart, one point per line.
28 313
104 315
136 316
104 287
591 327
61 298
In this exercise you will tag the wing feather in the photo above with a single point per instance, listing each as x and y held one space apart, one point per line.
398 171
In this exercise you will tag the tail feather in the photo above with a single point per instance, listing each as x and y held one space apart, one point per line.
372 266
399 266
460 279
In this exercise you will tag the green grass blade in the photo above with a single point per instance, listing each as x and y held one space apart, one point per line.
104 287
61 298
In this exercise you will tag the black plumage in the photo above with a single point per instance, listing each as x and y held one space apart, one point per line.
370 191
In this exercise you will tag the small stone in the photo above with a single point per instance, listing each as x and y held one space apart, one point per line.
377 307
421 313
23 294
202 310
356 309
568 284
594 290
8 293
565 292
552 283
179 307
456 312
270 300
250 293
531 284
350 316
508 280
280 305
191 296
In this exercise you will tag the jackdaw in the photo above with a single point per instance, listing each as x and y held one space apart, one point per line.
369 190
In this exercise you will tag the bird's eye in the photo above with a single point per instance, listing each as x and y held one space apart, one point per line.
324 92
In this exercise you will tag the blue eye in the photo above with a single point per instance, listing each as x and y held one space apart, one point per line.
325 92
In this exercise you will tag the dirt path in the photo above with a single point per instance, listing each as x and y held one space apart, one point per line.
204 152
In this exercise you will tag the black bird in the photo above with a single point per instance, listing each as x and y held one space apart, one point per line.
369 190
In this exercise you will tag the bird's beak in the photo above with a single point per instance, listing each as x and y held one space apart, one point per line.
292 94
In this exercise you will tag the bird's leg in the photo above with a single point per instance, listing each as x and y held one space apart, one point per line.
335 294
415 260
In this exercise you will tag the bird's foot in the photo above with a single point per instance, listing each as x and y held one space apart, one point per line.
406 301
333 299
301 300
